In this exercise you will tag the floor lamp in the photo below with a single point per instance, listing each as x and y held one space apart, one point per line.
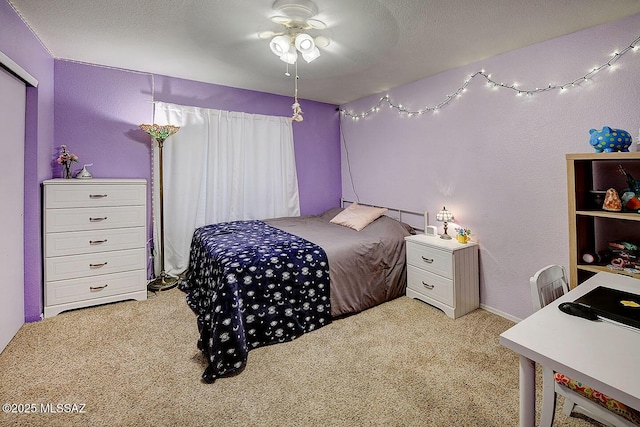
163 282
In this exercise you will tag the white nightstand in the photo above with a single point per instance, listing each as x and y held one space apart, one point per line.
443 273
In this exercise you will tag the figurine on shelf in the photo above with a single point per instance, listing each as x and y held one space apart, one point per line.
612 201
609 140
630 201
630 198
591 257
632 183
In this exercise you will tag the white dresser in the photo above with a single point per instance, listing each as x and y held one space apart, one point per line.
443 273
94 242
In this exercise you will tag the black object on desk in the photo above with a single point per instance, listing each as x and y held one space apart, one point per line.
575 309
613 304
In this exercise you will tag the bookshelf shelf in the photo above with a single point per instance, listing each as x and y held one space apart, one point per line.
590 227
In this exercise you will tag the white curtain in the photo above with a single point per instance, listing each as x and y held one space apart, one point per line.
220 166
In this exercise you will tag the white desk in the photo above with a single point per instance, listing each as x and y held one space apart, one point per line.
600 354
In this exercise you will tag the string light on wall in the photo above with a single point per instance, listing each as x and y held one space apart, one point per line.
493 84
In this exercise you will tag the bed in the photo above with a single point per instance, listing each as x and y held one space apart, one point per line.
256 283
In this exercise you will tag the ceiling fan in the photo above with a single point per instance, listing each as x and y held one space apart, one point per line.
296 16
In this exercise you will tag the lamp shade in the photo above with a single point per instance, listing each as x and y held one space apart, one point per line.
280 45
304 43
444 215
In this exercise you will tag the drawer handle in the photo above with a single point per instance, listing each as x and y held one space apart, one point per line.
97 265
427 260
97 288
97 196
428 286
97 242
97 219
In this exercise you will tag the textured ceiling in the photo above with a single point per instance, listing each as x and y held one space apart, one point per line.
375 45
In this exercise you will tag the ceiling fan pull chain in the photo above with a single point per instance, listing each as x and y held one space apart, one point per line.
297 111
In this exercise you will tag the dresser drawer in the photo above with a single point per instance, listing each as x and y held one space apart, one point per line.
431 259
431 285
86 288
81 219
82 242
90 195
68 267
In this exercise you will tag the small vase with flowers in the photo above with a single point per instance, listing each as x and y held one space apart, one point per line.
65 159
462 234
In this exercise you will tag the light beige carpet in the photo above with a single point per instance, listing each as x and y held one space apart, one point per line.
403 363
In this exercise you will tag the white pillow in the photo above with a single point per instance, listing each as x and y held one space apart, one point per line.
358 217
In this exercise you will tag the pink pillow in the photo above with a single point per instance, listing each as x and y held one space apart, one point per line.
358 217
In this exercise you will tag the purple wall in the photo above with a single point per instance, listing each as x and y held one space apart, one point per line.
497 160
98 110
19 44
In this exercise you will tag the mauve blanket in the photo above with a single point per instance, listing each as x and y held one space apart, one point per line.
366 267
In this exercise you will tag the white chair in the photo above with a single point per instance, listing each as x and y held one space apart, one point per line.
548 284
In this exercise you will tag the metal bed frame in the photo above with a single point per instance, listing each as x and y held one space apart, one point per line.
418 220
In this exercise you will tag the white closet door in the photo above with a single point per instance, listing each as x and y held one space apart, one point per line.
12 117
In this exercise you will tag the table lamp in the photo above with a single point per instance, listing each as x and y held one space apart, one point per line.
444 216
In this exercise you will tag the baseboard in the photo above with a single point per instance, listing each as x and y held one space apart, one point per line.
499 313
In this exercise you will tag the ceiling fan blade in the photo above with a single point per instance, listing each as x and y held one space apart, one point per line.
282 20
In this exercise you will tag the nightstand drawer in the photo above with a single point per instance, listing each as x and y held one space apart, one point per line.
83 242
72 290
430 285
89 195
431 259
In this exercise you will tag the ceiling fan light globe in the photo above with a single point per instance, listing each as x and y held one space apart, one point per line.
290 57
311 55
280 45
304 43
